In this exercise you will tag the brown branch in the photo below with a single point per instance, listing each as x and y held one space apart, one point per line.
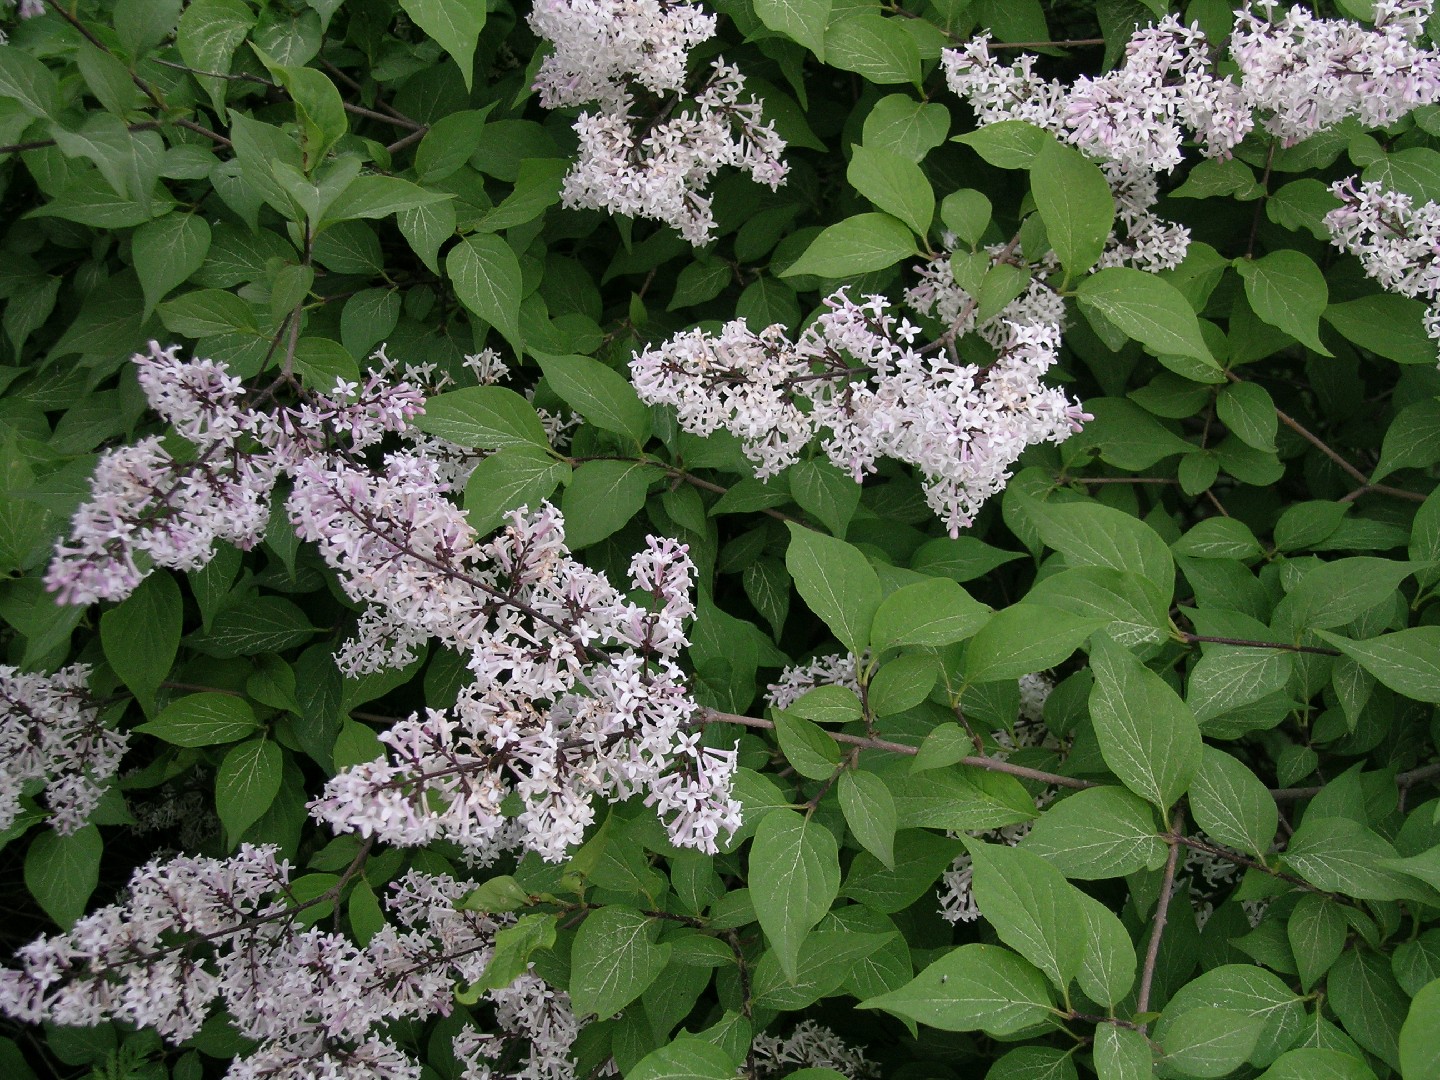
713 716
1404 781
40 144
1317 650
1162 914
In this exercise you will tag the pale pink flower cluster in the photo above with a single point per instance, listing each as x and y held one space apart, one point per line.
810 1045
51 736
1304 73
577 692
536 1021
854 378
195 934
797 680
1397 242
653 159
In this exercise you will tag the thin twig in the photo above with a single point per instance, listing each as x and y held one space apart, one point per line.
1318 650
714 716
1403 780
1162 914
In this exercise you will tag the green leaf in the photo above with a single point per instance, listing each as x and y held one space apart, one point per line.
857 245
246 783
1146 308
903 683
1025 638
1009 144
687 1058
1388 325
869 810
1147 734
1317 1063
514 946
895 184
1108 969
878 48
1338 592
1286 289
602 497
486 276
1413 439
1122 1054
827 959
794 877
1231 804
819 488
1408 661
1316 930
258 625
1247 410
207 36
508 479
935 612
827 705
1075 204
319 110
205 719
614 959
166 252
455 24
483 417
448 144
808 749
1253 992
141 636
1341 855
1089 534
62 871
836 581
905 126
379 197
599 394
965 799
1031 907
1419 1049
1101 832
426 228
28 83
802 21
1208 1042
972 988
1369 1004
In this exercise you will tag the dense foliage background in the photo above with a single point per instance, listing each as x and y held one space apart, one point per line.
1227 576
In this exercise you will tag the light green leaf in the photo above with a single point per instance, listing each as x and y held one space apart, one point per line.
1419 1048
599 394
1317 1063
1388 325
1413 439
1208 1042
935 612
1025 638
484 417
601 497
1407 661
875 47
856 245
1089 534
141 636
1146 308
972 988
895 184
837 582
1247 409
1231 804
869 810
454 24
246 783
1009 144
166 252
1075 204
614 958
62 871
794 877
687 1058
808 749
206 719
486 275
819 488
28 83
1102 832
802 21
1286 289
508 479
1031 907
1122 1054
1147 734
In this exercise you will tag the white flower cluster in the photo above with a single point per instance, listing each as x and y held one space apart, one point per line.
51 736
649 160
577 693
1397 242
799 679
809 1046
854 376
534 1019
549 716
194 934
1305 74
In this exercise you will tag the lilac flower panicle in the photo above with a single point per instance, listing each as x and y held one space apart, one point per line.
51 735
